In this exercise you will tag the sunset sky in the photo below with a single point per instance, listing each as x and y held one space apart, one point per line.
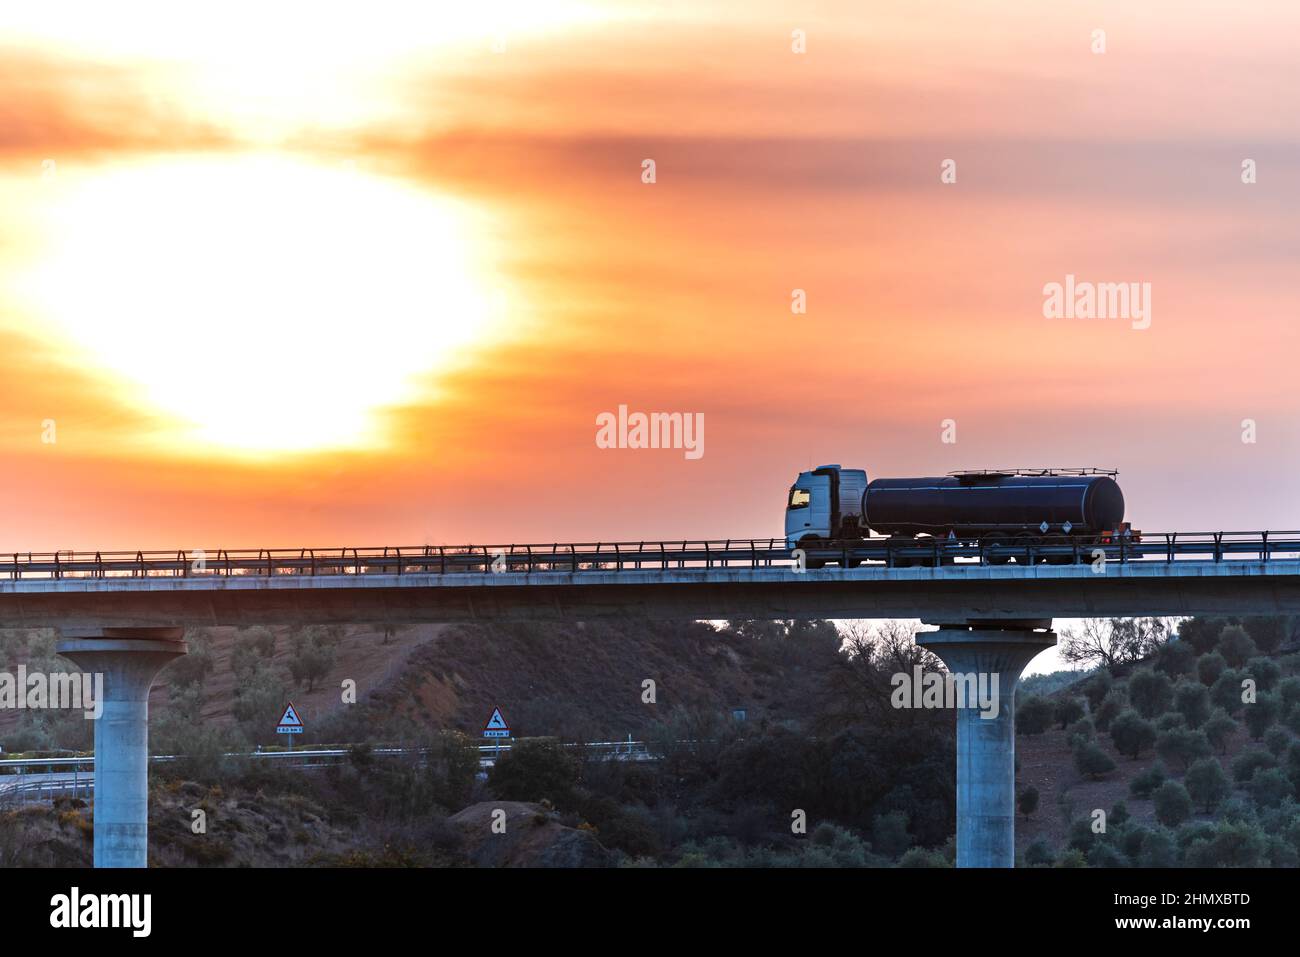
279 275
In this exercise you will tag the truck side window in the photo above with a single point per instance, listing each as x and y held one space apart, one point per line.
800 497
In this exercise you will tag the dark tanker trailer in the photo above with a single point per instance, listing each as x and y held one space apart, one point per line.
1020 507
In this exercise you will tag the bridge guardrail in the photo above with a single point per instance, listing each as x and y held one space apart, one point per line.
23 778
18 766
1263 546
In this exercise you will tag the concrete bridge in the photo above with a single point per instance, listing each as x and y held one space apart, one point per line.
950 593
124 615
1176 574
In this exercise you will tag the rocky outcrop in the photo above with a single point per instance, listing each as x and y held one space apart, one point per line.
525 835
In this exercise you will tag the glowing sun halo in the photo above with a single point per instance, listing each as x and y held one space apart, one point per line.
262 303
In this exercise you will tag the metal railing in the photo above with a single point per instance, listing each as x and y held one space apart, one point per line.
27 779
1266 546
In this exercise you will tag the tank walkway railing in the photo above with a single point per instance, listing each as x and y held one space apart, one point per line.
1265 546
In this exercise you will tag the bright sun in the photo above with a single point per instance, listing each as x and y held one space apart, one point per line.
260 302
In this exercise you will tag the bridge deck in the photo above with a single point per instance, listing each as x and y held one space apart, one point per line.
967 589
717 553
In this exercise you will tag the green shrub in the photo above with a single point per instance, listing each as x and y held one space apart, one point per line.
1027 801
889 834
1289 689
1082 730
1158 849
923 857
1202 633
1144 783
1192 701
452 763
1269 632
1207 784
1277 739
1265 671
1105 854
1130 838
1173 804
1270 787
1193 831
1280 853
260 695
1232 845
1236 646
1081 836
616 827
1181 746
1209 667
1150 692
1291 719
1176 658
193 668
1033 715
1236 809
1262 715
1219 729
1248 762
1292 761
1226 691
1170 720
536 769
313 652
1068 710
1131 733
1091 761
1118 815
250 649
1097 687
1110 707
1039 854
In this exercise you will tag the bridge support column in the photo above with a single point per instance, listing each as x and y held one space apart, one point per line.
997 653
129 659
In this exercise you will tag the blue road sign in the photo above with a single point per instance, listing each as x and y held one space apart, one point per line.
496 726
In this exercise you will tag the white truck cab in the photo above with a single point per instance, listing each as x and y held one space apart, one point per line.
825 504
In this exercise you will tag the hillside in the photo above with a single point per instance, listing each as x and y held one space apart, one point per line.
1211 719
579 681
1217 708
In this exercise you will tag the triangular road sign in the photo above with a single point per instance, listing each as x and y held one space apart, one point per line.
496 726
290 718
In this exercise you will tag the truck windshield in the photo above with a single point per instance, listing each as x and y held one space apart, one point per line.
800 497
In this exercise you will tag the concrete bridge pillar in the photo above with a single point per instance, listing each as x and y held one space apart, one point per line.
997 653
129 659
